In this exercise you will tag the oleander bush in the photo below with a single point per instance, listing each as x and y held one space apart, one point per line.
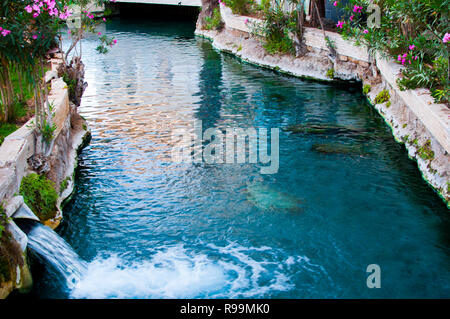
414 32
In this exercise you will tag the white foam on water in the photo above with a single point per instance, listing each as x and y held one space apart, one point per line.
175 272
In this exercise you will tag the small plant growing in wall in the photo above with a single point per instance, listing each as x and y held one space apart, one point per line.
64 184
382 97
330 73
425 152
366 89
214 22
40 195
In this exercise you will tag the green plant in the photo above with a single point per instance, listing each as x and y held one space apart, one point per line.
3 220
5 130
64 183
214 22
411 32
40 195
239 6
276 29
382 97
47 131
388 104
425 152
330 73
366 88
71 84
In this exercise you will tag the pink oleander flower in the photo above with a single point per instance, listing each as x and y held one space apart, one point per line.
28 9
365 31
351 17
340 24
399 58
335 3
5 32
246 21
415 58
405 55
446 38
104 19
34 36
357 9
412 47
115 41
99 33
403 61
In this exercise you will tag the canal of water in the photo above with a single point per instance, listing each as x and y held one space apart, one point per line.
151 228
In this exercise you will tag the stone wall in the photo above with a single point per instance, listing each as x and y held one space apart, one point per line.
414 118
17 149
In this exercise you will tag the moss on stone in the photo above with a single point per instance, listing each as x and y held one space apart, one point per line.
40 195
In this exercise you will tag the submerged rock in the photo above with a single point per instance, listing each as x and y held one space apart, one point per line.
333 148
266 198
325 129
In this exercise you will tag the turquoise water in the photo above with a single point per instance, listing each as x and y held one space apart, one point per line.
151 228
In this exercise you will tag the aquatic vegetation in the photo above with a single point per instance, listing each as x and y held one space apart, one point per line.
40 195
382 97
265 197
335 148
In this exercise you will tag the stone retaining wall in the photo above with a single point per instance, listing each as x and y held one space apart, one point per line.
414 118
70 134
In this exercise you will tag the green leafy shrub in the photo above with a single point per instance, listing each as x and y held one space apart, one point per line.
425 152
239 6
366 89
215 21
276 30
382 97
5 130
411 32
40 195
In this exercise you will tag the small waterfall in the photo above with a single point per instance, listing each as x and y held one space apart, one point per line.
52 249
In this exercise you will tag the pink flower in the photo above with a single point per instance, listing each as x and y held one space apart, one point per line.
335 3
5 32
28 9
365 31
415 58
399 58
403 61
115 41
340 24
99 33
34 36
104 20
351 17
357 9
405 55
412 47
446 38
246 21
